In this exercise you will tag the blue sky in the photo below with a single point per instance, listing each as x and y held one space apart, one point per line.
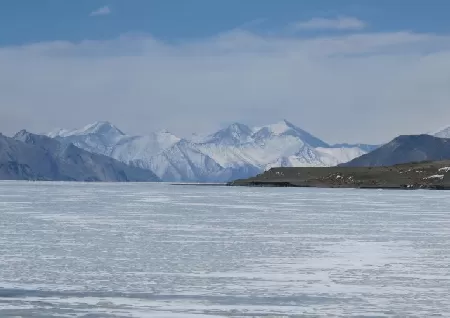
24 21
347 71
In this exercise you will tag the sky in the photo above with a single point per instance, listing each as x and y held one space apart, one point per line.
346 71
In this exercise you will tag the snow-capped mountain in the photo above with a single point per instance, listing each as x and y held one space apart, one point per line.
184 162
285 128
131 148
99 128
236 151
103 137
100 137
172 158
232 135
279 144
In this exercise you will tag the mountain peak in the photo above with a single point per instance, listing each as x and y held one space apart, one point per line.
34 139
278 128
21 133
104 128
236 133
239 129
238 126
286 128
26 136
281 127
287 123
101 127
59 132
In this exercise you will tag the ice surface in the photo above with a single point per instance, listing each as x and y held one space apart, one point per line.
156 250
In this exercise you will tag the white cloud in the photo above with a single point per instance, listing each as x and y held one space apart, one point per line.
365 87
340 23
101 11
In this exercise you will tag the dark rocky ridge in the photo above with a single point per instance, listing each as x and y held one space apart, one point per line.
421 175
34 157
404 149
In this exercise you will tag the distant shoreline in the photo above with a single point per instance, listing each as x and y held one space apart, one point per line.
199 184
409 176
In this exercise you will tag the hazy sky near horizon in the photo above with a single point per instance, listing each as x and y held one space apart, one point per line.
346 71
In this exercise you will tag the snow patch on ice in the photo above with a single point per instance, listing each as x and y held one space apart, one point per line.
435 176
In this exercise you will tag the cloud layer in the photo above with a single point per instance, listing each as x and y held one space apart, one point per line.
365 87
340 23
101 11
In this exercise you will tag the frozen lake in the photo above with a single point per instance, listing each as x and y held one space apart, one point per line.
155 250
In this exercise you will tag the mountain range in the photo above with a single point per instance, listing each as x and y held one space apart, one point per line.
237 151
102 152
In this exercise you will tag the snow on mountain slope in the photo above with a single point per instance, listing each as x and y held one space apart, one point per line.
99 137
281 144
256 153
335 156
291 161
237 151
104 128
304 157
443 133
58 133
285 128
134 148
317 157
104 138
183 162
232 135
